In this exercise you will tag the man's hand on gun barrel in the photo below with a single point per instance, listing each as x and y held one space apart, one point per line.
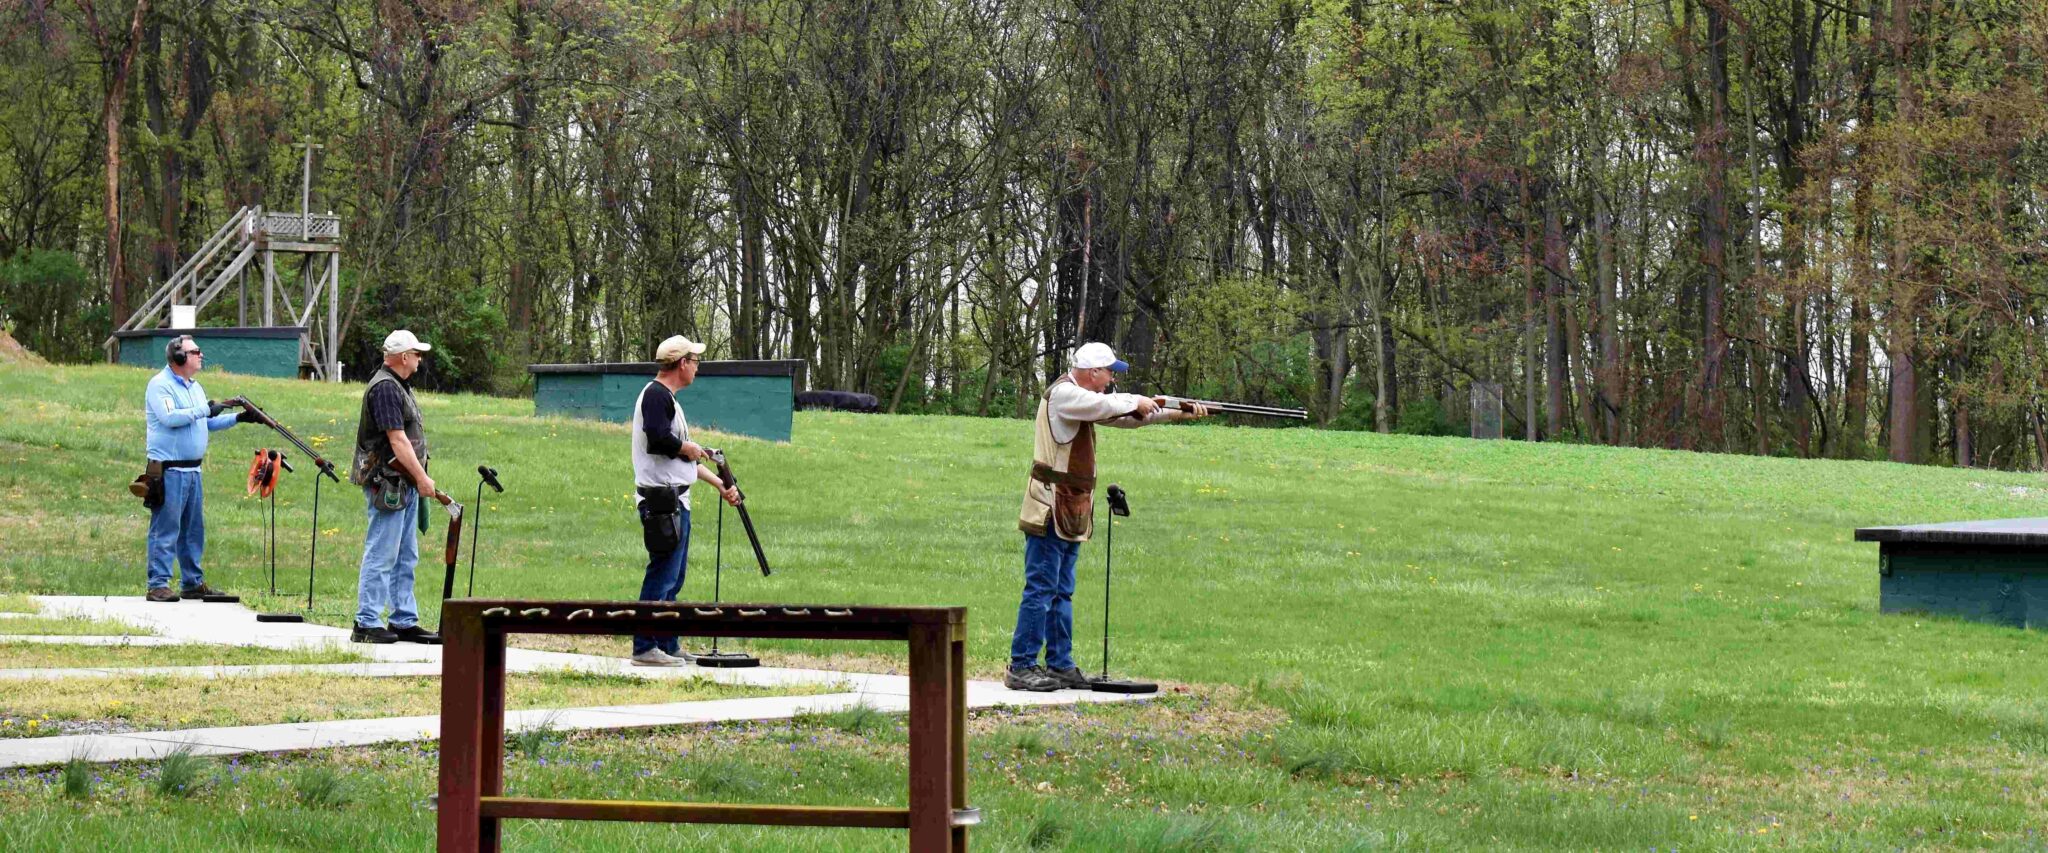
1188 409
1205 408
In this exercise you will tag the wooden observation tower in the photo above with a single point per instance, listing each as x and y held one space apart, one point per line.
249 244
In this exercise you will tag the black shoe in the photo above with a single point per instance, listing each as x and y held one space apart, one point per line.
1071 678
372 634
1032 678
161 593
200 591
417 634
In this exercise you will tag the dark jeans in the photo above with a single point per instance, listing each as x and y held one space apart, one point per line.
665 579
1045 619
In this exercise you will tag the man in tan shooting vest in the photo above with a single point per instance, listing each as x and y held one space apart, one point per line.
1059 504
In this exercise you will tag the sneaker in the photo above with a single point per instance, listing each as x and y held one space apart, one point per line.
657 657
372 634
1071 678
417 634
200 591
1032 678
160 593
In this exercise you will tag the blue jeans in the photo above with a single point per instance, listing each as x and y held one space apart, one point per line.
391 550
178 528
1045 619
664 579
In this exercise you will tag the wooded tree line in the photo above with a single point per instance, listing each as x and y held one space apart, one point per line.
1806 227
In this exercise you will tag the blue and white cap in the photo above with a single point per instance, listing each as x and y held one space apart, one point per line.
1092 355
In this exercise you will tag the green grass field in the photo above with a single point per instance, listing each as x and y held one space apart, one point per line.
1385 640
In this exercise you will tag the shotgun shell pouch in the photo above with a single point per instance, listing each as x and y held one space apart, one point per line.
150 486
661 519
388 496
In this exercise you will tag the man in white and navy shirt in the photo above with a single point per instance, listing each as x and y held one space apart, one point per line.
664 467
177 419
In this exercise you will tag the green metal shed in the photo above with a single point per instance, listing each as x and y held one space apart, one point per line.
1989 571
251 350
753 398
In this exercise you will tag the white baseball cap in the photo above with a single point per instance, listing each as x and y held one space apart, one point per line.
1093 355
673 349
402 341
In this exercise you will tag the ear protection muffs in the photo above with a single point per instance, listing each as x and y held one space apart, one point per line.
175 353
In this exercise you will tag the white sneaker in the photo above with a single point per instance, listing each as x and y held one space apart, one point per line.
657 657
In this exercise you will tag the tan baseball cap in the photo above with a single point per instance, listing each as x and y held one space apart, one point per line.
675 348
401 341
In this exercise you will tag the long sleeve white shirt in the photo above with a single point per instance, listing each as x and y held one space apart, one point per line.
1070 405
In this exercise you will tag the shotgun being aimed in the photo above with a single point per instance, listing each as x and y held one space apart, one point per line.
1188 404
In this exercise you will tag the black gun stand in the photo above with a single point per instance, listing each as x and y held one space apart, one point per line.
1103 683
715 658
313 549
475 525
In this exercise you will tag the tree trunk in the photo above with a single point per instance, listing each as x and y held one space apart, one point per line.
522 276
1554 271
1713 153
1610 341
1907 417
120 59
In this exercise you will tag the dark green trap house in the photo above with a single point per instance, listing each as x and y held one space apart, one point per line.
251 350
1988 571
753 398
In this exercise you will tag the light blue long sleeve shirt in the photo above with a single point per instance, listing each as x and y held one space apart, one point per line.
174 413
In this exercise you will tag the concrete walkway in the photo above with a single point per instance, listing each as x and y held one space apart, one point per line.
88 640
234 624
360 670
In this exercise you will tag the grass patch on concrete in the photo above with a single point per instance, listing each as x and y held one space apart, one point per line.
17 604
1530 646
64 626
46 656
161 703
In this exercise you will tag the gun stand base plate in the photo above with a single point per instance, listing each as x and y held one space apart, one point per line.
221 599
1105 684
279 617
727 660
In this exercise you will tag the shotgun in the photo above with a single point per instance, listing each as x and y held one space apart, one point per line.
265 419
725 473
454 527
1185 404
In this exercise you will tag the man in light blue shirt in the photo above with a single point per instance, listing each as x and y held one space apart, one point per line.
178 418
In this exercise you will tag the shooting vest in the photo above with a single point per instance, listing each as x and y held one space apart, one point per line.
1060 493
373 447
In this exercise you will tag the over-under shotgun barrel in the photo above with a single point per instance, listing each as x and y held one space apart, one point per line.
1184 403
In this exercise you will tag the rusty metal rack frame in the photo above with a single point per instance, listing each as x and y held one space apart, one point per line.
472 804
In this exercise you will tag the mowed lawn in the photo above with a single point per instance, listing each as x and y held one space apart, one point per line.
1385 640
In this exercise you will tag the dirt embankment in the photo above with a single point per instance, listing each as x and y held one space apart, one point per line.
12 352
